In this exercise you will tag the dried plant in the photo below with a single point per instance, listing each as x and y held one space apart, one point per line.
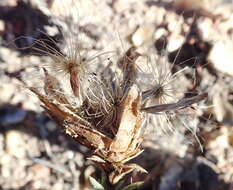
109 116
106 107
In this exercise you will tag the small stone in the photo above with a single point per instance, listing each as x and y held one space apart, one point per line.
14 144
40 171
220 142
35 151
221 57
223 110
160 33
154 15
36 184
219 147
5 159
51 31
78 158
69 154
175 44
59 185
57 7
5 172
7 91
206 28
142 35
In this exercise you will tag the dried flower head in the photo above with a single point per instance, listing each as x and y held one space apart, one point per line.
106 111
110 116
110 126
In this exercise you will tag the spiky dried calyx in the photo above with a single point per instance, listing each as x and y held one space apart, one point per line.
109 118
119 140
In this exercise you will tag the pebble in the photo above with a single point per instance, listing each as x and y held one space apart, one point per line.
39 171
221 57
142 35
220 147
57 7
5 172
15 145
223 110
160 33
7 91
59 185
5 159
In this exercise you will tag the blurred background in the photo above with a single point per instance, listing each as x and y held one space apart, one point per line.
34 154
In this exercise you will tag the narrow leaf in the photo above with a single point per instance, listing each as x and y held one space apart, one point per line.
96 185
133 185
